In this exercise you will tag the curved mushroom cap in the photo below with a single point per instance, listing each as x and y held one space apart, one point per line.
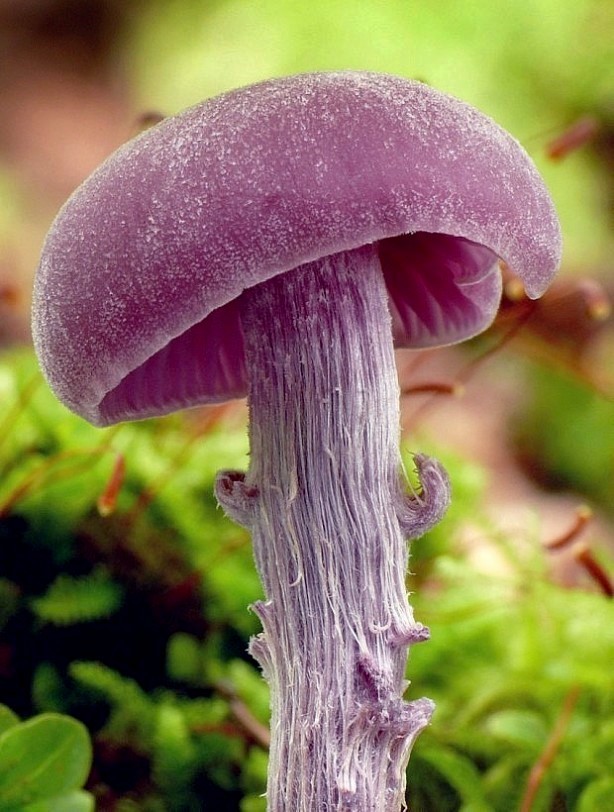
136 301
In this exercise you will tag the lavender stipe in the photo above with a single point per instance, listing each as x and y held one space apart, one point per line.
321 499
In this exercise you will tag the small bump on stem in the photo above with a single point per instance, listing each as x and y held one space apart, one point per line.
419 512
238 499
418 633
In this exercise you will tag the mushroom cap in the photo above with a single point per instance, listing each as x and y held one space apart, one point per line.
136 301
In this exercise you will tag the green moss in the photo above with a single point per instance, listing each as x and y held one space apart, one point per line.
137 621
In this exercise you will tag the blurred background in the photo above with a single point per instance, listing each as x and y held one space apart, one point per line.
524 417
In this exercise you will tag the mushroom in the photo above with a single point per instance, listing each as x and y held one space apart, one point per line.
278 241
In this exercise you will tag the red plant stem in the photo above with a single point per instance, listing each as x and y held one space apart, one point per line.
107 501
78 461
434 388
323 500
585 558
209 418
548 755
253 729
457 386
577 135
583 516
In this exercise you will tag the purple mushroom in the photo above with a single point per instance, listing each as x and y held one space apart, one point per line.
278 241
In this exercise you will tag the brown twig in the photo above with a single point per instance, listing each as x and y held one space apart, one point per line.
207 421
581 551
457 386
107 501
581 132
254 729
584 556
435 388
75 461
549 752
584 516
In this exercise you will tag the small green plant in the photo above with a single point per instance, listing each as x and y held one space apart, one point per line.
72 600
519 668
44 762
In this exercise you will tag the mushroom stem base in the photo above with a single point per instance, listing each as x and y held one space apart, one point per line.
324 500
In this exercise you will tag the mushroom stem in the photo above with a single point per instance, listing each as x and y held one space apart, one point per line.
324 500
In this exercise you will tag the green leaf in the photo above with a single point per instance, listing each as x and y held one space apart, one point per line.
518 727
49 690
174 756
8 719
461 773
73 600
78 801
184 658
251 688
47 756
254 779
132 707
253 803
597 795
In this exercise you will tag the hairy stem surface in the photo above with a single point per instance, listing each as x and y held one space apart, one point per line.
324 500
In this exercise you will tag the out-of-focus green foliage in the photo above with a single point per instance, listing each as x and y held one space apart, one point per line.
567 436
118 591
72 600
136 623
505 655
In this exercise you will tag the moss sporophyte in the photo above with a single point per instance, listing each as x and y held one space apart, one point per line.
278 242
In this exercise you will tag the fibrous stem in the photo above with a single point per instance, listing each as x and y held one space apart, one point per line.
325 501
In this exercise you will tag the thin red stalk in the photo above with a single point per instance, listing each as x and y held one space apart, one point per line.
580 133
584 516
107 501
435 388
256 731
543 763
469 369
35 478
147 495
584 557
523 317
